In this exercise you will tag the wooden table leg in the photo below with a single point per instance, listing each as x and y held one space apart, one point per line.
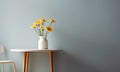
51 60
25 62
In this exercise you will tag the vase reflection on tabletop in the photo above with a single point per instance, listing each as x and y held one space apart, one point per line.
41 27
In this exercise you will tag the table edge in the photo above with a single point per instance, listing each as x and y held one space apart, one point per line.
33 50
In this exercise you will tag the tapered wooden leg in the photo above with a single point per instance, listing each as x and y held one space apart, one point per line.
51 60
25 62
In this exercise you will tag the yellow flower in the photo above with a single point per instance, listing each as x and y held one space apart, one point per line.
41 27
37 22
42 20
33 26
49 29
51 20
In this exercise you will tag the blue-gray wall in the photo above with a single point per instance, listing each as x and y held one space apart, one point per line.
87 31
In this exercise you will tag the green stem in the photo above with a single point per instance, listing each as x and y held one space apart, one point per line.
36 31
43 32
39 31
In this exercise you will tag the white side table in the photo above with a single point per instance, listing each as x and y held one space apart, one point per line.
26 56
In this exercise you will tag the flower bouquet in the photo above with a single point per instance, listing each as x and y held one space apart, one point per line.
41 28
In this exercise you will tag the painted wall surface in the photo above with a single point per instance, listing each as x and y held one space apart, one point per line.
87 31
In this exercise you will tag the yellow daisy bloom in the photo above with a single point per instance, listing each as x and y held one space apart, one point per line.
33 26
37 22
41 27
49 29
51 20
42 20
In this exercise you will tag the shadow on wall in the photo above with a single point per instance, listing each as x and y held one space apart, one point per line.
65 62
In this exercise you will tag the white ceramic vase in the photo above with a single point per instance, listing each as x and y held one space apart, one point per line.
42 42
